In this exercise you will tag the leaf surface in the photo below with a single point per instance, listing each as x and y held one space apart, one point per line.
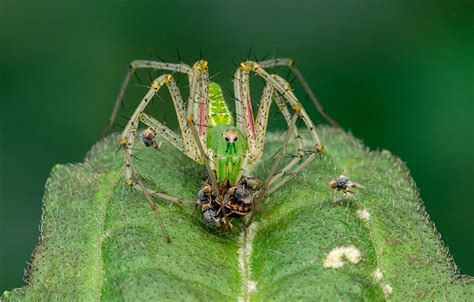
99 240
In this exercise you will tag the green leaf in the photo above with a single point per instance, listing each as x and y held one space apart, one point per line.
100 241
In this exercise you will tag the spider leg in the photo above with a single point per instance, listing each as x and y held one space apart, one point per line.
294 69
261 120
128 136
284 95
186 142
281 152
150 201
139 64
162 130
255 130
260 125
243 106
282 105
285 172
199 99
255 134
285 92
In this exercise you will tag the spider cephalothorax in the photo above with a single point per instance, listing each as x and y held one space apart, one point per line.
209 135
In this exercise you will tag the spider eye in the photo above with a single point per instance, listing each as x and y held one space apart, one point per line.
227 138
235 139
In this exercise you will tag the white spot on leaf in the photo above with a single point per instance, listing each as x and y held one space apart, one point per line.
363 215
336 257
378 278
378 275
387 289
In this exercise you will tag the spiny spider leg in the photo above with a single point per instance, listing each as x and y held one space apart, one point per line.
285 91
281 102
246 122
291 174
138 64
244 108
186 143
261 121
131 171
281 152
284 95
287 171
292 66
199 98
128 136
150 201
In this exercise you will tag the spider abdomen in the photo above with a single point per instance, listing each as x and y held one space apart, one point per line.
219 113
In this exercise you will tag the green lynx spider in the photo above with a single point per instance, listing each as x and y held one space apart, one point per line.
208 135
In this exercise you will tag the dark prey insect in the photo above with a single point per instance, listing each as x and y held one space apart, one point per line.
344 184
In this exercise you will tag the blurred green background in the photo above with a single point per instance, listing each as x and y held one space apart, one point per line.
398 74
